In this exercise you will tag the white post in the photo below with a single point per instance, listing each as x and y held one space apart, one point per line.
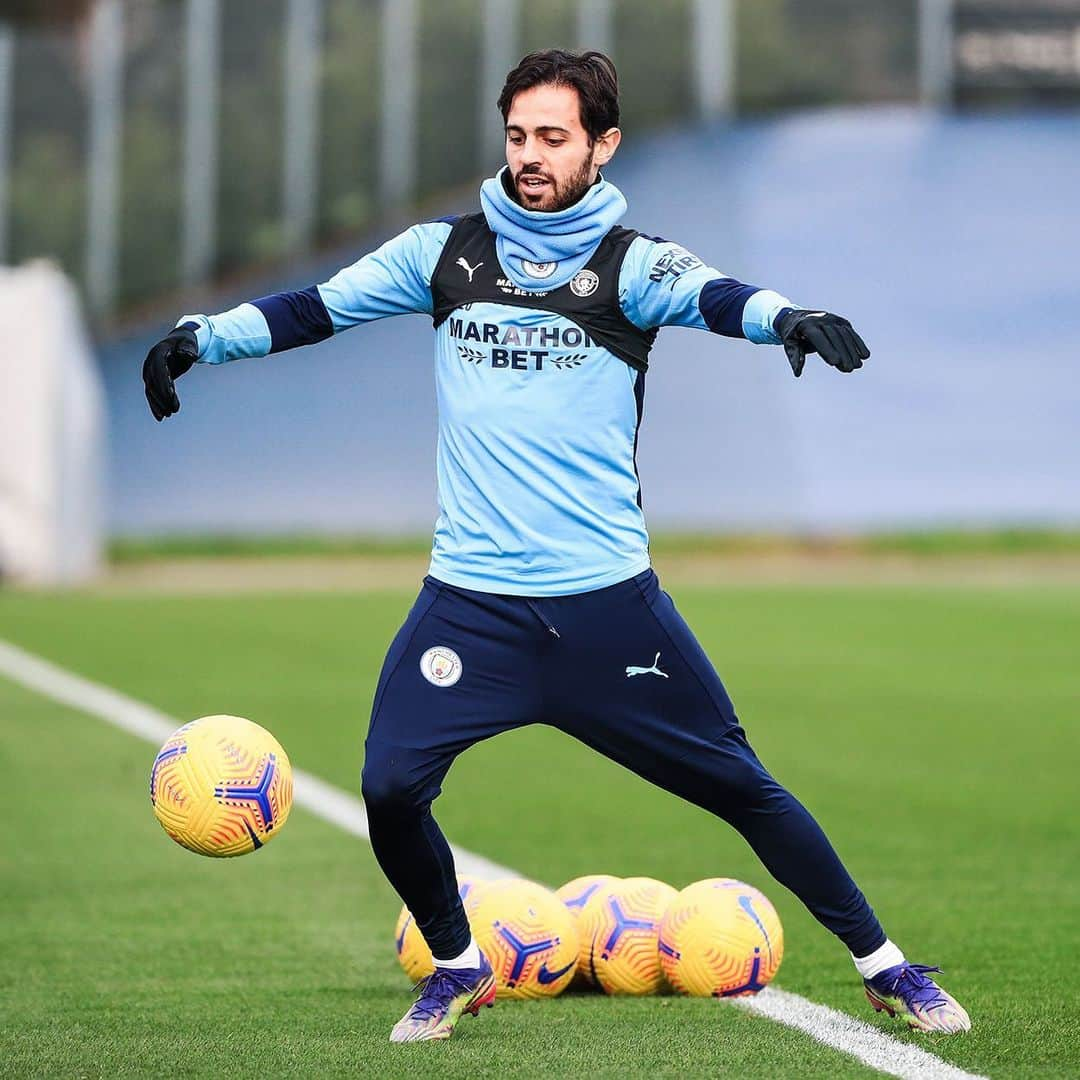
7 110
106 50
935 52
52 431
595 28
397 166
201 76
714 57
500 28
301 157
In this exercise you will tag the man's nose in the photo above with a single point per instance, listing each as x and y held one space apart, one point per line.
531 153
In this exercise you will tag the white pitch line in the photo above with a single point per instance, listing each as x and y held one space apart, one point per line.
836 1029
322 799
855 1037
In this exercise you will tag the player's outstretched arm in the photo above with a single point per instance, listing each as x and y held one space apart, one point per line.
393 280
662 284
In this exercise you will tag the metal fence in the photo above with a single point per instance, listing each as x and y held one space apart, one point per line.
151 144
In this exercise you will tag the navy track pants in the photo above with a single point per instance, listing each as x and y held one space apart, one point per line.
617 668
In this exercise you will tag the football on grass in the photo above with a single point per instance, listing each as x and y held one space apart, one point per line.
621 923
720 938
527 935
221 786
575 895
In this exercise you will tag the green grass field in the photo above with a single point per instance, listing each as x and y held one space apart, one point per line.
934 732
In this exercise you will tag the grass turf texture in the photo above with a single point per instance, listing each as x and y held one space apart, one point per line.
931 732
932 543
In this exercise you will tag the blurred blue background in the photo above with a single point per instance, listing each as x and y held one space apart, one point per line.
892 161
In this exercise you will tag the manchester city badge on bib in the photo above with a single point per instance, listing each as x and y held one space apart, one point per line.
584 283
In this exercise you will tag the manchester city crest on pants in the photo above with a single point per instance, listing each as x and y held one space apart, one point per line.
441 666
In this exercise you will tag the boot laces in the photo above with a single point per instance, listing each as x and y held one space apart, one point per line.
436 991
914 985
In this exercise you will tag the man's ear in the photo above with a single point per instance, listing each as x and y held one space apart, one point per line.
606 145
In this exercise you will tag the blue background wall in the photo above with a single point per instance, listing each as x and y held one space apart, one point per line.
952 243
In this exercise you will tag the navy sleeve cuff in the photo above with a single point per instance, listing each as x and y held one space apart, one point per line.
721 302
295 318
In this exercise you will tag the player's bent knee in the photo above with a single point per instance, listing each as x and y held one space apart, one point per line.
385 788
389 789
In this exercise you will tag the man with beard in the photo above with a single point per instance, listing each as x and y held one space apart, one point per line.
540 604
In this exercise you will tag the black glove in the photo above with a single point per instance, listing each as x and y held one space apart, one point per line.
166 361
832 336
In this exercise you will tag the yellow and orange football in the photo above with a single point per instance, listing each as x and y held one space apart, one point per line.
621 924
720 938
528 937
575 895
221 786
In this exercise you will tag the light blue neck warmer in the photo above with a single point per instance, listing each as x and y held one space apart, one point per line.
566 238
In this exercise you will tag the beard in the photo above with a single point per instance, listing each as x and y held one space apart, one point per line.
558 195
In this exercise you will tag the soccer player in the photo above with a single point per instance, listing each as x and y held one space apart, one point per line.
540 604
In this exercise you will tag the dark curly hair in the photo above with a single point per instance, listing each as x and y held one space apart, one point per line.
591 74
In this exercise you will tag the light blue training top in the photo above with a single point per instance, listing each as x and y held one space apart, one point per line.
537 483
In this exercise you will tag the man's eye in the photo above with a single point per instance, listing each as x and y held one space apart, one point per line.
556 142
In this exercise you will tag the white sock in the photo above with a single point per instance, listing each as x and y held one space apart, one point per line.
470 958
887 956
